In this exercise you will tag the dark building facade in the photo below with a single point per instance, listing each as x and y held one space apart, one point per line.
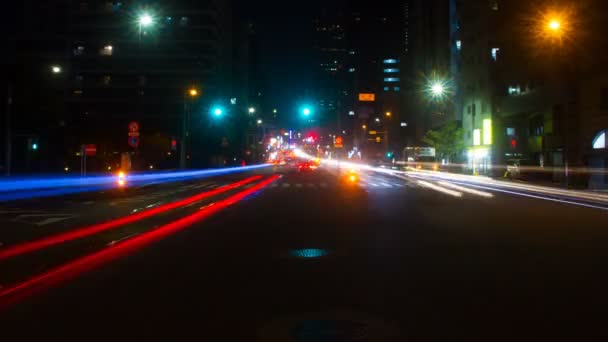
108 63
531 98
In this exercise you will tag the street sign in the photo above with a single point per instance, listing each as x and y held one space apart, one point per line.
378 139
133 126
363 97
133 134
372 132
339 142
90 150
134 142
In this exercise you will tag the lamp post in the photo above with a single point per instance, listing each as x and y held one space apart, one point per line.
144 20
191 94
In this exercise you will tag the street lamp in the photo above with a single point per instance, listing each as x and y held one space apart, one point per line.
251 110
56 69
145 20
259 121
554 25
388 114
364 126
193 92
437 89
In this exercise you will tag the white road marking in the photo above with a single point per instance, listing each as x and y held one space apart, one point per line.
298 185
440 189
286 185
42 219
323 185
310 185
470 191
386 185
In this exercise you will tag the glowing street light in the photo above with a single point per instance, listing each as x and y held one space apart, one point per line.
437 89
554 25
193 92
306 111
388 114
217 111
251 110
259 121
145 20
56 69
364 126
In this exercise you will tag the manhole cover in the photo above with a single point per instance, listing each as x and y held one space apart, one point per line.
330 331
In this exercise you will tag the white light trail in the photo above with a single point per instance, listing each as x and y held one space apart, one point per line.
440 189
467 190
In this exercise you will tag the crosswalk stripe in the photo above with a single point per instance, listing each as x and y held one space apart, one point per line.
310 185
286 185
298 185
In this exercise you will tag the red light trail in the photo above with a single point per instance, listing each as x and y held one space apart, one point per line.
32 246
11 295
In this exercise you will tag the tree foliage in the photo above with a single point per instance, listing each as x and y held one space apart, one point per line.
448 141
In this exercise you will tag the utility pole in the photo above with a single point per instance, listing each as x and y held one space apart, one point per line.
7 156
182 148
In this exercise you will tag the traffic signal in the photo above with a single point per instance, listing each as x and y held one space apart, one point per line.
389 154
32 144
174 144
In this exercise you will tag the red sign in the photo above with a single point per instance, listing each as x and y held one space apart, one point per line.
339 142
90 150
133 134
134 126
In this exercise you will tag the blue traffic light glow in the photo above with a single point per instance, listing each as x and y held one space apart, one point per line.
30 187
217 111
34 146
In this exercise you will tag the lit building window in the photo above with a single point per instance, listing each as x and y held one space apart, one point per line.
495 53
351 70
351 112
476 137
391 70
510 131
494 5
600 141
183 21
390 61
391 79
396 88
404 124
106 80
459 44
78 51
386 88
514 90
107 50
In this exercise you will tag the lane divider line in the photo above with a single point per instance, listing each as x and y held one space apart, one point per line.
53 277
36 245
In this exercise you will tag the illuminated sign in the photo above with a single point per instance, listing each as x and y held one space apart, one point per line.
477 137
339 142
487 132
373 132
363 97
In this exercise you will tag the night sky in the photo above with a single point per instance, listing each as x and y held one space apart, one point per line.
285 37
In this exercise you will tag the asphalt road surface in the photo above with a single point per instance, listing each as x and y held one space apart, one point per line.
306 257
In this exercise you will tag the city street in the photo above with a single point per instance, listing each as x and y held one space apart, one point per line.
306 256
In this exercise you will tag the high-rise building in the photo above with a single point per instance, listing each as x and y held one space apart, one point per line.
107 63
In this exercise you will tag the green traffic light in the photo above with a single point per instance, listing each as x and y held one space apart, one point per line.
34 146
